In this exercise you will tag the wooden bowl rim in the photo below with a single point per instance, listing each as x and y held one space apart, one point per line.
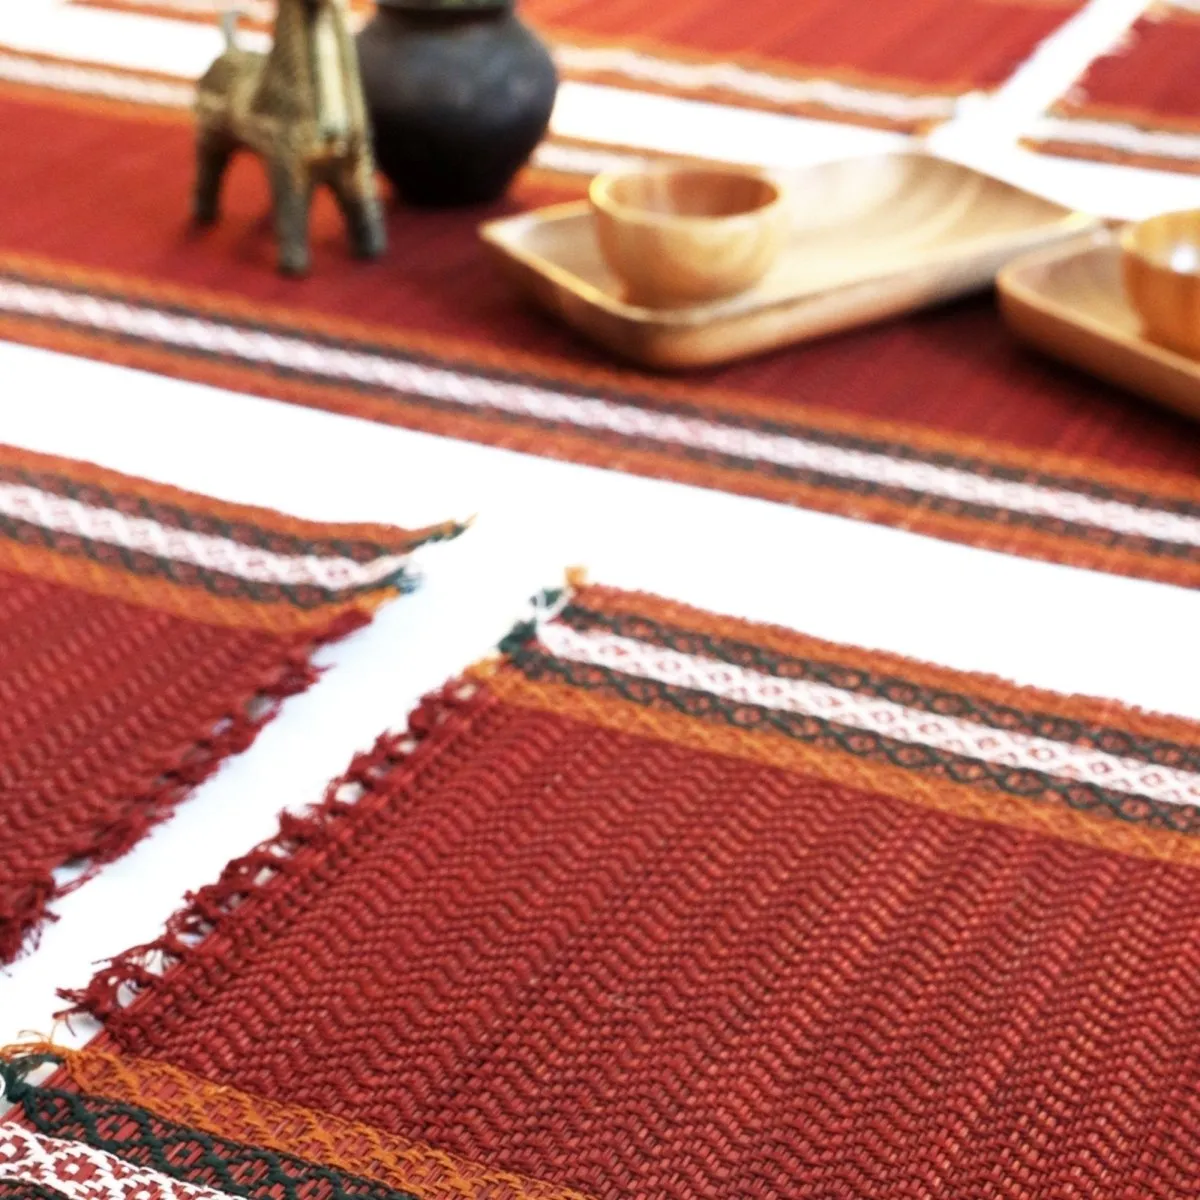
600 195
1131 234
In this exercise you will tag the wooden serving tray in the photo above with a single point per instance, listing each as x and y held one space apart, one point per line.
1070 302
872 237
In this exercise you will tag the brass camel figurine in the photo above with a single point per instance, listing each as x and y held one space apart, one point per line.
300 107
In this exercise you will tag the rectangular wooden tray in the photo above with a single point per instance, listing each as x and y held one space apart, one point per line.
1070 302
872 237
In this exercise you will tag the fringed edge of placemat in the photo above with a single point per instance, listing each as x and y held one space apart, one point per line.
119 982
1138 824
246 714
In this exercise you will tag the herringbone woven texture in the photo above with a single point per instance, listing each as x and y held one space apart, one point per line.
607 945
145 635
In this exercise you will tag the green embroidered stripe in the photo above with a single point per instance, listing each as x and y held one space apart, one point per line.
898 690
24 1189
1026 784
305 596
190 1155
177 517
671 407
1086 534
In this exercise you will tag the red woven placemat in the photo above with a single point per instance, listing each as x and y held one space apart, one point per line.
1139 103
666 904
145 634
902 65
941 424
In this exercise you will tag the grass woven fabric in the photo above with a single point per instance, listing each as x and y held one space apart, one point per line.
664 904
145 634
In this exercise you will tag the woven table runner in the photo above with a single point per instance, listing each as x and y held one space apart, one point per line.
146 634
903 65
941 423
665 904
1138 104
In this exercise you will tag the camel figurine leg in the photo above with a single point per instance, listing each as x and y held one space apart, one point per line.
299 106
353 185
292 191
213 152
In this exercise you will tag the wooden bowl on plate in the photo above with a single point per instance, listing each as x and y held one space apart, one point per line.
1160 263
688 235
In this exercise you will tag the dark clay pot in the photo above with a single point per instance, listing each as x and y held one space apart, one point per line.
459 96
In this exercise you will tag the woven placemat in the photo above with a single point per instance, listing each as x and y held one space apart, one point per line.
665 904
1138 104
940 423
146 634
904 65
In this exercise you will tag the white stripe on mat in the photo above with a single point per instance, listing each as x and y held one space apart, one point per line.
81 1172
81 79
1111 135
756 85
141 534
473 391
636 67
95 81
953 735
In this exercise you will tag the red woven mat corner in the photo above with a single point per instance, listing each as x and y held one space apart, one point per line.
667 904
146 634
1137 104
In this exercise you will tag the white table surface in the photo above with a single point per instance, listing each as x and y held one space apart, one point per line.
1037 623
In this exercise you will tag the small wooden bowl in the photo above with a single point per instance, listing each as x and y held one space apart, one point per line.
688 235
1160 263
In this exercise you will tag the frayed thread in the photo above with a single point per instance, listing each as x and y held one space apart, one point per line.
543 607
22 920
18 1062
24 916
129 975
